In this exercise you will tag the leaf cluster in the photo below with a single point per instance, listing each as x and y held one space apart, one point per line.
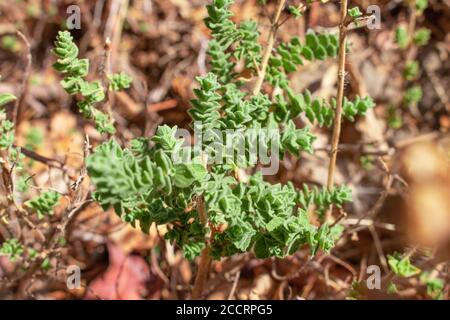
402 266
12 248
75 71
44 203
243 38
317 46
6 126
145 186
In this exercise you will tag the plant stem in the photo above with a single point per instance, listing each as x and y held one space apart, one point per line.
270 42
202 273
23 88
205 259
340 98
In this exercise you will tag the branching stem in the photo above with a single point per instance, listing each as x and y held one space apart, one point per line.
340 97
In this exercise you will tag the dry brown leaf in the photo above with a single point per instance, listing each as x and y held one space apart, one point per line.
125 278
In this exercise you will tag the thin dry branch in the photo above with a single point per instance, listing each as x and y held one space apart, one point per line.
23 88
270 42
340 97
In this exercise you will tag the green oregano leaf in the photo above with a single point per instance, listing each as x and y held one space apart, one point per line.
413 95
6 98
119 81
295 11
44 203
354 12
422 36
402 266
401 37
12 248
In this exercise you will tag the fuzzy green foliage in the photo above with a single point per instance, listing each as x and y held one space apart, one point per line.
44 203
263 216
318 110
289 55
323 198
10 43
419 37
434 286
367 162
413 95
219 22
295 11
119 81
6 98
226 107
6 126
225 33
394 118
139 183
46 264
6 131
34 138
207 105
411 70
74 71
249 48
13 154
12 248
391 288
402 266
220 61
242 112
144 184
421 5
401 37
295 140
354 12
422 36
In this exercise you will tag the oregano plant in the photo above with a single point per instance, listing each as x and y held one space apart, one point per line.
217 209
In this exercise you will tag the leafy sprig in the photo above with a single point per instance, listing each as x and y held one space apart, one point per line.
402 266
75 70
12 248
289 55
6 126
44 203
119 81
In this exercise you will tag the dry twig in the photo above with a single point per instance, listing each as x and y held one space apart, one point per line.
340 97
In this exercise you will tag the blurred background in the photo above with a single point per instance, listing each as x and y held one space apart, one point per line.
396 160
